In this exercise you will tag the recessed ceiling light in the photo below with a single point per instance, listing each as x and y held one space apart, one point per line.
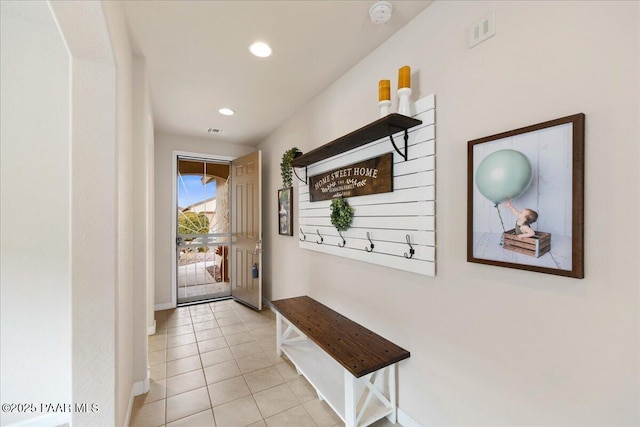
226 111
260 49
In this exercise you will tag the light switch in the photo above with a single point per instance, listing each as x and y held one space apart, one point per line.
482 30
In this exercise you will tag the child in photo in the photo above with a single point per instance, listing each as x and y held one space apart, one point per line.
524 219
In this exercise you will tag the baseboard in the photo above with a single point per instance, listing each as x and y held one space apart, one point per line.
267 303
58 419
138 388
151 330
405 420
127 419
142 387
164 306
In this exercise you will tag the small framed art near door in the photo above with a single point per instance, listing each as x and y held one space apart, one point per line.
525 198
285 215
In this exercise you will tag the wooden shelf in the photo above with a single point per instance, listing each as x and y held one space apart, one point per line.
385 126
324 374
327 377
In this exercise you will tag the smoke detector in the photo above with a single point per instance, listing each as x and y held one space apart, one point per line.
380 12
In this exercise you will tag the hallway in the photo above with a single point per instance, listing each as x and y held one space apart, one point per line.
216 365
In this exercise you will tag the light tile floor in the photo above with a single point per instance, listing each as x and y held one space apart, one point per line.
216 365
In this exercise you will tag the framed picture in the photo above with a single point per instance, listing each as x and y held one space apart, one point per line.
285 216
525 198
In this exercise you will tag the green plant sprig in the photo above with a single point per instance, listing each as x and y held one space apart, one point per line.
285 167
341 214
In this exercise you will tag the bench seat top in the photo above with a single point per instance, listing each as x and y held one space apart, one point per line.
359 350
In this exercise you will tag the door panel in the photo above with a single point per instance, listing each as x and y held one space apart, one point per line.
247 229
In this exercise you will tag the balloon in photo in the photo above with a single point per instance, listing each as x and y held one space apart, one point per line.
503 175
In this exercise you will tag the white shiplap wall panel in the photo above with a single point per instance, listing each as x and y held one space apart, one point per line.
409 223
427 268
388 217
390 210
422 252
419 179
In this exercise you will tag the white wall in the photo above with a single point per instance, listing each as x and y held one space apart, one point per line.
165 144
67 145
496 346
144 185
144 322
151 232
131 331
94 233
35 250
124 292
285 267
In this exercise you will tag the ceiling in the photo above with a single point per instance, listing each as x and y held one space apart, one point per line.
198 59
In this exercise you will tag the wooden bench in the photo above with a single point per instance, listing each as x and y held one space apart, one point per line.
352 368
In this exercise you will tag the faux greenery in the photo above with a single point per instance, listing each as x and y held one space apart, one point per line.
285 167
341 214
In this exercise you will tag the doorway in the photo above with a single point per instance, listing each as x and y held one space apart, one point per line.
203 229
218 229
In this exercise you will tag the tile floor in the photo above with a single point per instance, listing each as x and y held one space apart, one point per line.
216 365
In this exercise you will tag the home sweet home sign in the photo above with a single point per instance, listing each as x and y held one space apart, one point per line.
370 176
388 220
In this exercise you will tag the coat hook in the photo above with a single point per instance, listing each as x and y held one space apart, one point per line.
411 250
321 238
344 242
370 244
304 236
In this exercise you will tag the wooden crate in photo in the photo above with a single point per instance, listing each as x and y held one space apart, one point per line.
535 246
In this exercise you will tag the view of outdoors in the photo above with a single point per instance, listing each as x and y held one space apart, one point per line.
203 230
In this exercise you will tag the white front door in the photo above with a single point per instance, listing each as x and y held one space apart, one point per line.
246 229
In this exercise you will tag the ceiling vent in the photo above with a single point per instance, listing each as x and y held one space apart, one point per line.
214 130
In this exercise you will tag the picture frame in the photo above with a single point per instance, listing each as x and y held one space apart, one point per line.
285 214
525 198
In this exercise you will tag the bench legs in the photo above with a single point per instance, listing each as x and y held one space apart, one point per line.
393 417
371 388
279 333
350 401
363 396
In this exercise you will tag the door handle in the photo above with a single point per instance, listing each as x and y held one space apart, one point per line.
258 247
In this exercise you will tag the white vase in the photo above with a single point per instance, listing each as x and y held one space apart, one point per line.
404 105
384 108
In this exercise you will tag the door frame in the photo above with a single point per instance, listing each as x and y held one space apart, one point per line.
174 212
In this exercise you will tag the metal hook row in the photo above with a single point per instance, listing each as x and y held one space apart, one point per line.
369 248
321 241
304 236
